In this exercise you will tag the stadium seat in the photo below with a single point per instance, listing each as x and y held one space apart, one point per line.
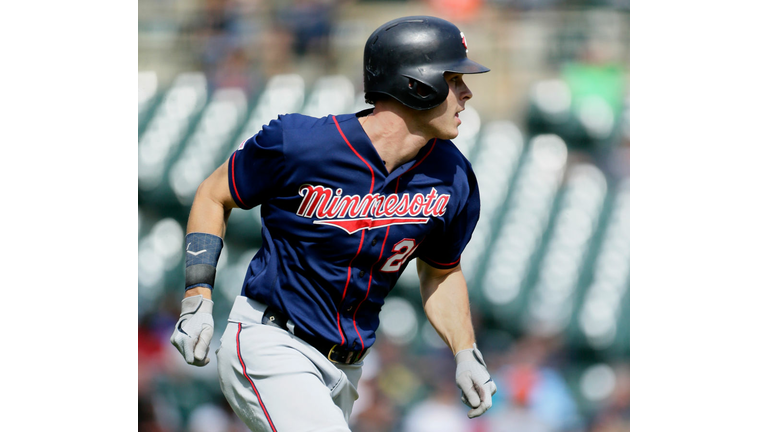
160 257
209 144
148 90
601 311
334 94
495 164
469 132
524 222
168 128
549 107
283 94
552 298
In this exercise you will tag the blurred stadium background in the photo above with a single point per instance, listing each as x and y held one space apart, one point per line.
548 266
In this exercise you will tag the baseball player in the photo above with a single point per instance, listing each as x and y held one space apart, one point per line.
347 202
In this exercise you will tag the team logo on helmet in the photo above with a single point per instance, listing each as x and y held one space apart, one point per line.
464 41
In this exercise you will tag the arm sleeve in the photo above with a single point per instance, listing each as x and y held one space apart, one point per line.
257 168
442 249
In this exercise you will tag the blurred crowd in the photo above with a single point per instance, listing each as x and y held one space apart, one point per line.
236 50
543 384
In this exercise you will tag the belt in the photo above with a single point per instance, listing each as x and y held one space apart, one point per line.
330 350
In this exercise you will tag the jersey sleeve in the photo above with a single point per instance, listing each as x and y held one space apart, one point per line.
257 167
442 249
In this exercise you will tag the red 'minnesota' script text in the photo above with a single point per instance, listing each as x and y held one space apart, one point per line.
323 203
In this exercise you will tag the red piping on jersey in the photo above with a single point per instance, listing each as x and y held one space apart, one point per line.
358 154
414 166
362 237
232 173
368 291
370 278
434 141
349 275
443 264
381 253
253 386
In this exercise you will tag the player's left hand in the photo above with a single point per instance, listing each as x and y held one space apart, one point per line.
194 330
475 382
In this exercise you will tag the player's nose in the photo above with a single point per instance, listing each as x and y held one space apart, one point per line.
466 93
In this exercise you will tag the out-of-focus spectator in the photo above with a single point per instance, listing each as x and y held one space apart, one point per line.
440 412
396 378
439 407
613 416
147 418
534 393
515 419
220 39
150 354
216 31
379 414
373 410
457 11
208 418
310 22
156 414
234 71
514 412
214 417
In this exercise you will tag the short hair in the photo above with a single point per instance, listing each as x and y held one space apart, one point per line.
372 98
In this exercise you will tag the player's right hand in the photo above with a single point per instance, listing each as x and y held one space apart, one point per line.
194 330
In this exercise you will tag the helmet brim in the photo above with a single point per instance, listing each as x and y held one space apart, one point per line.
466 66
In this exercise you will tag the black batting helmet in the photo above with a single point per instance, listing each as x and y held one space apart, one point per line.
407 57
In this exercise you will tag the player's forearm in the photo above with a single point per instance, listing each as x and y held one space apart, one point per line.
209 213
446 305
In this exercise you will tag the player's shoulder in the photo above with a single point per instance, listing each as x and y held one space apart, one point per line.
449 154
286 129
298 121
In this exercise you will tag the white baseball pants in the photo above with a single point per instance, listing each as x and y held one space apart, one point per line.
275 381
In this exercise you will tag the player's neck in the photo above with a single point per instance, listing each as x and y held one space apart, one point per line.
393 137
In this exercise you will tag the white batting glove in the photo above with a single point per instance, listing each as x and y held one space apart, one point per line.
475 382
194 330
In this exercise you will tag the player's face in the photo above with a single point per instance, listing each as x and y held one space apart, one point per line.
443 121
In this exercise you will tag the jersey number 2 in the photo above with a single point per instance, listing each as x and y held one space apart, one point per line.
403 249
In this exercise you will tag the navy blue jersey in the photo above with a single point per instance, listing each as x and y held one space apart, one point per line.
338 228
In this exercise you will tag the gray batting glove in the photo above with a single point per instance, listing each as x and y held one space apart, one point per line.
194 331
475 382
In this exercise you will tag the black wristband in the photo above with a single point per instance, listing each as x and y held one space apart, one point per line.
203 252
200 275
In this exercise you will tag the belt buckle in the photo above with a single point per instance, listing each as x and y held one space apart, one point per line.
346 359
330 353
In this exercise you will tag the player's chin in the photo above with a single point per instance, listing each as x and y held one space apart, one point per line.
449 135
